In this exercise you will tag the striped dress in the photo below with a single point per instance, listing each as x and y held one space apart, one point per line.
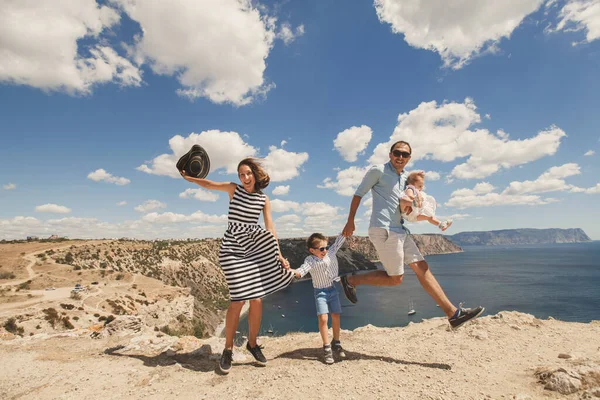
249 256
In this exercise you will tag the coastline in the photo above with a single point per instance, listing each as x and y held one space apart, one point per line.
220 329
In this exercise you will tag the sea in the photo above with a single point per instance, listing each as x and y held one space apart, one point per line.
553 280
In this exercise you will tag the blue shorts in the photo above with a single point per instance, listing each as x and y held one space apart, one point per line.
328 301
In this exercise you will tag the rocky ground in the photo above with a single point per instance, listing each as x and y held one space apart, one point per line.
506 356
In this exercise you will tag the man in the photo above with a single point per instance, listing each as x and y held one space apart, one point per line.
394 246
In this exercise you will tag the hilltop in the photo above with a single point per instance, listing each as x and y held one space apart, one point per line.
505 356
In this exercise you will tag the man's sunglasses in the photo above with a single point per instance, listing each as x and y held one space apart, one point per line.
321 248
403 154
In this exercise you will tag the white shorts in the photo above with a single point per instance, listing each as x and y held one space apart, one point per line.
394 250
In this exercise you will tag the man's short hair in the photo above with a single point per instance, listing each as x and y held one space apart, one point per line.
313 239
401 142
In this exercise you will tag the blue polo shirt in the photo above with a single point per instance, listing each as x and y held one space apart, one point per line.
386 186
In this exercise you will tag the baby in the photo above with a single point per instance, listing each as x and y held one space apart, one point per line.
423 208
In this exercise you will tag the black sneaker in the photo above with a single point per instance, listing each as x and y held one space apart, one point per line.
256 351
327 354
349 290
465 315
336 346
226 360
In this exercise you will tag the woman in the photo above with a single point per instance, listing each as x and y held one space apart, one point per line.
250 255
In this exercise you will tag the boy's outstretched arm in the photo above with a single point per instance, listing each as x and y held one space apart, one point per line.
339 241
303 269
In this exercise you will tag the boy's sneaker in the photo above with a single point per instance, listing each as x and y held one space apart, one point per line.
349 290
226 360
464 315
256 351
327 354
336 346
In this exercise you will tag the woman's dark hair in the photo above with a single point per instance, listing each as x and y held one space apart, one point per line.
401 142
261 178
313 239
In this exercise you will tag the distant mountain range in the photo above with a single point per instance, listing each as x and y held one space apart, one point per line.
520 236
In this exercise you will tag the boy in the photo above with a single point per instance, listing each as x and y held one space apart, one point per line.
323 267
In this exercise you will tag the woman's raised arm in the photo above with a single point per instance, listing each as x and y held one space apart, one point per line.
228 187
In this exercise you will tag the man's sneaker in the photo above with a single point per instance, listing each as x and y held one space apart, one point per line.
327 354
336 346
349 290
226 359
256 351
464 315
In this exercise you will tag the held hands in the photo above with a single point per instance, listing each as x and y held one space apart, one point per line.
348 229
284 262
296 273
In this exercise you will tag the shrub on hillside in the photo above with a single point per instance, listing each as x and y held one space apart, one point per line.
7 275
11 326
51 316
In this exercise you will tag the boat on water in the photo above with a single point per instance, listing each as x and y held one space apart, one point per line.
411 308
282 315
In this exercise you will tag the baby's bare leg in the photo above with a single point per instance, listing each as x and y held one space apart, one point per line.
431 220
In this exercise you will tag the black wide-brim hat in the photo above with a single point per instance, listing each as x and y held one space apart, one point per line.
195 162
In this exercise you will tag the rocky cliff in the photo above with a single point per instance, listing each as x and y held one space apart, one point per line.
520 236
427 244
195 265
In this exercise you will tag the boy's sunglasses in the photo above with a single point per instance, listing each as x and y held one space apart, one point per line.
403 154
321 248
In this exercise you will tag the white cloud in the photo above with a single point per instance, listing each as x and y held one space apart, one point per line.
459 31
225 150
467 198
550 181
445 133
322 217
352 141
9 186
281 190
53 208
288 219
149 205
432 176
484 194
215 48
577 15
589 153
283 165
199 194
288 34
173 218
43 46
101 175
122 203
346 182
158 227
284 205
592 190
19 220
319 209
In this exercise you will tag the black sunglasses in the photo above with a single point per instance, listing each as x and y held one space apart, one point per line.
321 248
398 153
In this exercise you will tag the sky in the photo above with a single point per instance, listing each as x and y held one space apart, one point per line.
100 98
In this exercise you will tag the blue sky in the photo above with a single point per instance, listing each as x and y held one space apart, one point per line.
98 99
